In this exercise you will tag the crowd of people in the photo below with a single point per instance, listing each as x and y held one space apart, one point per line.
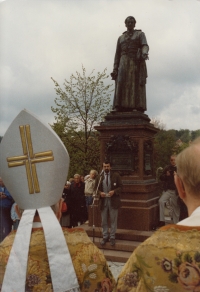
78 195
79 192
164 245
167 261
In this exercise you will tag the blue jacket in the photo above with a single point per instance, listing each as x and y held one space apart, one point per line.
8 201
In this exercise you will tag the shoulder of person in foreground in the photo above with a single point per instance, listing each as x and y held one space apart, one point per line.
90 265
89 262
167 261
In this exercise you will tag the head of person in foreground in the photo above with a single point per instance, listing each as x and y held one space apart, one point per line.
187 178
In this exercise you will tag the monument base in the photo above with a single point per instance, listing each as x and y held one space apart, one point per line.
126 140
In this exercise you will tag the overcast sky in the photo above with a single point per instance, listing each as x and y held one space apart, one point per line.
40 39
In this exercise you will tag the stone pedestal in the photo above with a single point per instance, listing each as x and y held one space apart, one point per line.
126 139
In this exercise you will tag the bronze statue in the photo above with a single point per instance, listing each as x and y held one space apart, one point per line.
129 70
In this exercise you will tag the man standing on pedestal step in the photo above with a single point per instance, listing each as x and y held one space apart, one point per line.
170 192
109 189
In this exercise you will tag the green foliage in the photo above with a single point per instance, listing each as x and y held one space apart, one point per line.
184 135
195 134
166 144
80 106
180 148
76 153
163 148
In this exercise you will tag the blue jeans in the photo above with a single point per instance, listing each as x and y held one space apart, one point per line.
88 200
113 220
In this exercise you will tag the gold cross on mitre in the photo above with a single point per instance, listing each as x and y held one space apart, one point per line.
29 159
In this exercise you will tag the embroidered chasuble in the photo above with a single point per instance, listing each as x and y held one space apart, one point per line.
168 261
89 263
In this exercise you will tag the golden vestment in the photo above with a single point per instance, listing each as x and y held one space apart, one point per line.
168 261
89 263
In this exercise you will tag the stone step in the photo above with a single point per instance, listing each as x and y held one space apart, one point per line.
116 256
125 243
122 234
120 252
120 245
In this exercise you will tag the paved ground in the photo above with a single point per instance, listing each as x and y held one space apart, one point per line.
115 268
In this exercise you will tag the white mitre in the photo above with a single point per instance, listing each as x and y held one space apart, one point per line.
34 165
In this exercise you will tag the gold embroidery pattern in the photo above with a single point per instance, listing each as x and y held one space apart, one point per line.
29 159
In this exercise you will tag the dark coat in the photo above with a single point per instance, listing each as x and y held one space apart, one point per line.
116 185
78 206
169 183
67 198
130 83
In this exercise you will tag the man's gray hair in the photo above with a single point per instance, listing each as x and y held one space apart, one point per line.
77 175
188 167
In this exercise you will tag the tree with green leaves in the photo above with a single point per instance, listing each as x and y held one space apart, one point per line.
80 106
164 144
184 135
195 134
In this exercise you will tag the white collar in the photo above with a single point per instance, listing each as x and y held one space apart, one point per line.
196 211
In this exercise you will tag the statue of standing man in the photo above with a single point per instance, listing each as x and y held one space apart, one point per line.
129 70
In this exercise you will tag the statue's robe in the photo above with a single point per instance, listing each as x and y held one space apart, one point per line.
89 263
130 91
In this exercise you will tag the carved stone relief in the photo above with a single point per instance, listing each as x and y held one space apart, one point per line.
148 157
122 154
